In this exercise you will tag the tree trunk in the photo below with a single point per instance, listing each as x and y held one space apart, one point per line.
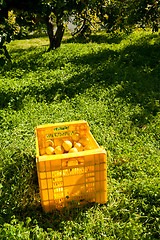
54 39
59 35
50 32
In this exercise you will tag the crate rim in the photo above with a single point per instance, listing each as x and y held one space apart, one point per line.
60 124
70 155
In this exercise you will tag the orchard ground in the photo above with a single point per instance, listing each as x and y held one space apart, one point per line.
110 80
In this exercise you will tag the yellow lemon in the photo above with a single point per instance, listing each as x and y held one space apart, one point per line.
73 150
50 150
67 145
49 143
78 146
76 137
84 141
59 150
87 147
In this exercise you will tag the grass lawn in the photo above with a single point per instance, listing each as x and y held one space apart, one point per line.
112 82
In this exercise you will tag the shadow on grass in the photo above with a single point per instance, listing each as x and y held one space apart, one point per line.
97 38
135 67
19 181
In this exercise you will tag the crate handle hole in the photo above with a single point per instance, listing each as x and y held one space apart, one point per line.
61 128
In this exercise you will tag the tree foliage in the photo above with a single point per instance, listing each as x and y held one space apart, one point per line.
118 14
87 14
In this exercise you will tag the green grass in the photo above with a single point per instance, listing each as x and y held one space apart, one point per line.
112 82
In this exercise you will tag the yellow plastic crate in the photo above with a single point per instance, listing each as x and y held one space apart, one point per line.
70 179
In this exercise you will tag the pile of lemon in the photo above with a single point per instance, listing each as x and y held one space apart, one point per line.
77 143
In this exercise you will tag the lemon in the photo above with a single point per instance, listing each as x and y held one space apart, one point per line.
73 150
59 150
78 146
67 145
49 143
76 137
87 147
84 141
50 150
